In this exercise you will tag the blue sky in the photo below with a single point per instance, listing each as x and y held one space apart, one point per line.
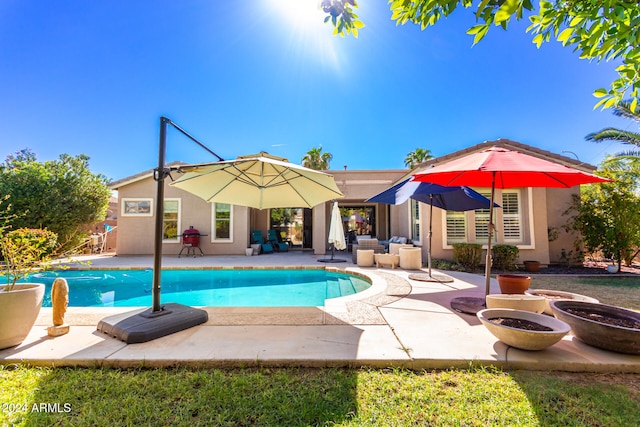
242 77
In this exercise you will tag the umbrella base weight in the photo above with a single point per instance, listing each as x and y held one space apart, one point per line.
143 326
468 305
331 260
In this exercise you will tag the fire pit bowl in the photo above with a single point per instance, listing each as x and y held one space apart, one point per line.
522 338
604 326
551 295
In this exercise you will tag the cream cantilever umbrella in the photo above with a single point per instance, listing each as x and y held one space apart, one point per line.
336 234
259 181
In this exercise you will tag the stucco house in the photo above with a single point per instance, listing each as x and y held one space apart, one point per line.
530 218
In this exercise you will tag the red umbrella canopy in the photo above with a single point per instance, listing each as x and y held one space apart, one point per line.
499 167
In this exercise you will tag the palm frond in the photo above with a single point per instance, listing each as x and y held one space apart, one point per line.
613 134
624 110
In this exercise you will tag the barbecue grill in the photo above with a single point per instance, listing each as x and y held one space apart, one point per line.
191 242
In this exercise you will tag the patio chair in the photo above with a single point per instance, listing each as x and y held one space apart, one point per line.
256 237
365 244
272 237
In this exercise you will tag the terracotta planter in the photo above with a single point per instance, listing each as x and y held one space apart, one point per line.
513 283
19 310
532 266
597 333
521 338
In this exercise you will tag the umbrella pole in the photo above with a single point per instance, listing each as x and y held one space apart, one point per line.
429 236
487 269
159 176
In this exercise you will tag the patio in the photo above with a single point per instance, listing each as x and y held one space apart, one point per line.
398 322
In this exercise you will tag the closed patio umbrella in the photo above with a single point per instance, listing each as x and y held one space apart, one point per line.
499 167
336 234
449 198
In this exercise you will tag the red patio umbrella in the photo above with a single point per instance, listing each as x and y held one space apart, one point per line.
498 167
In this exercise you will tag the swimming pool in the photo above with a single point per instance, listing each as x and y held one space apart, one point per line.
213 288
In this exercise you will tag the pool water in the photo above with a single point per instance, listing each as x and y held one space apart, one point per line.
213 288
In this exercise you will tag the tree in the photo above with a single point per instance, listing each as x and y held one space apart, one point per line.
316 159
416 157
607 215
62 195
598 30
619 135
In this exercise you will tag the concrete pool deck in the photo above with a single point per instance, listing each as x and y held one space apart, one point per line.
400 322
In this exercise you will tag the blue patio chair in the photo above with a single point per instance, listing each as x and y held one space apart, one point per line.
256 238
277 244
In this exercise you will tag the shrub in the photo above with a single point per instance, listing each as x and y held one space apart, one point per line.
468 255
25 250
505 257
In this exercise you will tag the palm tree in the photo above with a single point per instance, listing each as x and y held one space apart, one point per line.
622 136
416 157
316 159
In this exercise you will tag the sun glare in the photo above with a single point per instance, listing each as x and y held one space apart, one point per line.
310 36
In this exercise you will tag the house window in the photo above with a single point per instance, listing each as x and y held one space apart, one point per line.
222 223
137 207
511 216
415 220
171 221
481 221
456 227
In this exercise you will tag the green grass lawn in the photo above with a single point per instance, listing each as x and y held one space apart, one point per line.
301 397
620 291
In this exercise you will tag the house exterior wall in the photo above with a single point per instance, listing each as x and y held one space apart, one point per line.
560 240
136 233
359 185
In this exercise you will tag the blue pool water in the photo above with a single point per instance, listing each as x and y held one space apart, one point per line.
213 288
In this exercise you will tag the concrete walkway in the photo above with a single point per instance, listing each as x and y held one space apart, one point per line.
398 322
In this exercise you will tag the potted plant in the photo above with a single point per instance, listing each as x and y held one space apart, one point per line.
23 251
532 266
513 283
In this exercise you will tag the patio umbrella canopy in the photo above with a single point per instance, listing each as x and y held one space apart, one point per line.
498 167
259 181
449 198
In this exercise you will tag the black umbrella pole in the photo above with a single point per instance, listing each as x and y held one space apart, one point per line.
157 247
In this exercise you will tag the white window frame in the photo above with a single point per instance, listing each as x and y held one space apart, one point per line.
518 215
178 238
416 222
447 243
136 200
214 238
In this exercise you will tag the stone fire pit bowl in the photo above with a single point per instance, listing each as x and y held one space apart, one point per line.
594 331
551 295
521 338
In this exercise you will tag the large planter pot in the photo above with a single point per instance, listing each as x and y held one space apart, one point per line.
533 303
19 310
594 330
532 266
522 338
513 283
550 295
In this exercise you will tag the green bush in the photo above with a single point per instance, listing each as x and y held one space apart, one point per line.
24 251
505 257
468 255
